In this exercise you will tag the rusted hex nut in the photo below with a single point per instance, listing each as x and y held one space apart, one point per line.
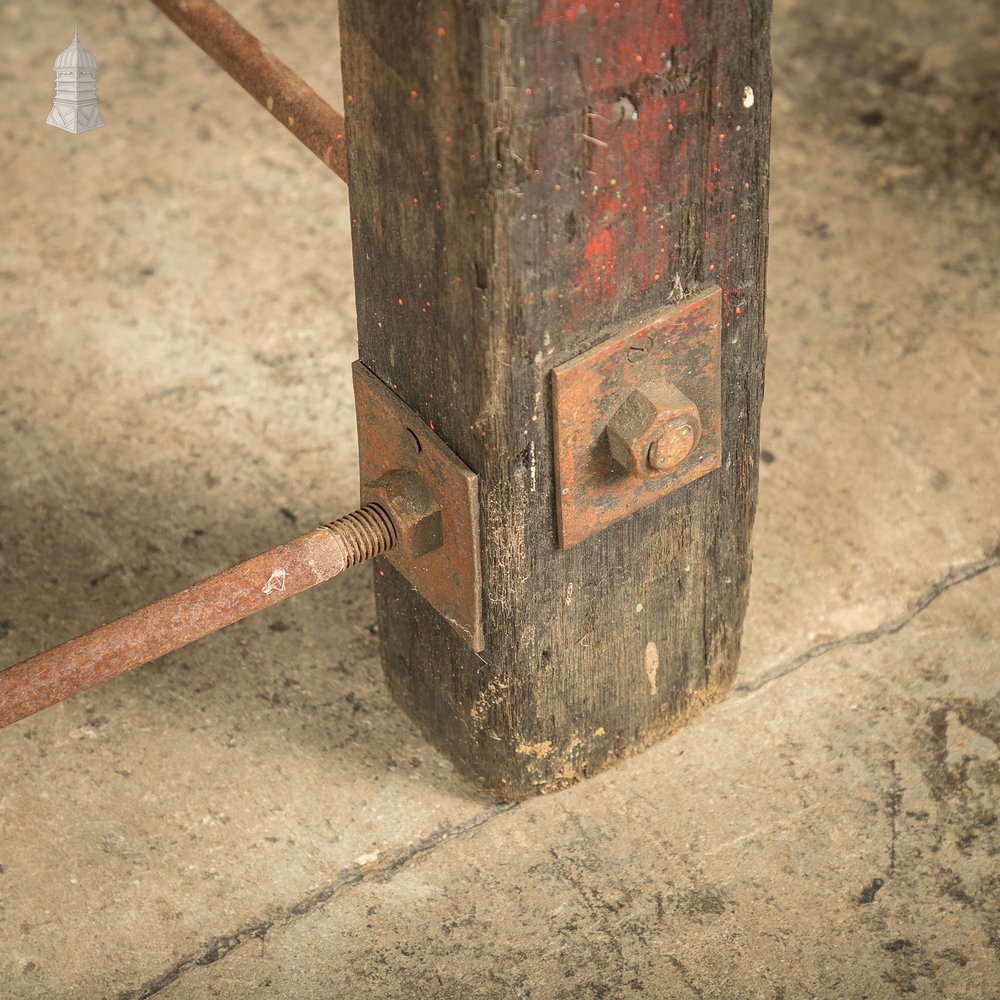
408 500
654 430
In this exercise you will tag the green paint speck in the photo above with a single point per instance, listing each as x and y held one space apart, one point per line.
687 569
638 609
270 103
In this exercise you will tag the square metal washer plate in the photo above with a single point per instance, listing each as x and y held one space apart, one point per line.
681 345
391 436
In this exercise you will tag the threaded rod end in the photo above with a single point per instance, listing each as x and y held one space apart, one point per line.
364 533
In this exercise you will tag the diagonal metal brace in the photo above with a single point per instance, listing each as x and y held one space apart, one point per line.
264 76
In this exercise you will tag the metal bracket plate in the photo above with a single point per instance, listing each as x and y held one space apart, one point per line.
681 346
390 437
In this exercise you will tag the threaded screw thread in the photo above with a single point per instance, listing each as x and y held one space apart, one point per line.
364 533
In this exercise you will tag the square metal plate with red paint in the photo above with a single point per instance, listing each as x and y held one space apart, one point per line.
390 437
680 346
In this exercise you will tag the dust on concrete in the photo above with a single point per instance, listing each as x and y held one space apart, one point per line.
960 756
916 85
824 837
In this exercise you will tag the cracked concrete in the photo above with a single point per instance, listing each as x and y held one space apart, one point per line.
379 871
777 848
953 578
253 816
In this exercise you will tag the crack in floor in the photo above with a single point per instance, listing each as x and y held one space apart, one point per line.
219 947
955 576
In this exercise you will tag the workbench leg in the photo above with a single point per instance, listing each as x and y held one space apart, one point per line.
524 175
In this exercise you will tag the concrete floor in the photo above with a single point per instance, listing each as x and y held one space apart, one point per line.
252 816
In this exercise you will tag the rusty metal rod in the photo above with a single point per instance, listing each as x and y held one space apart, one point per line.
194 612
265 77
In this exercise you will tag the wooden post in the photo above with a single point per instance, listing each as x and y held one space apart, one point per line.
523 175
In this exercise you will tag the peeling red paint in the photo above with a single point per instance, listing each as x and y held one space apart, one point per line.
620 39
640 91
636 133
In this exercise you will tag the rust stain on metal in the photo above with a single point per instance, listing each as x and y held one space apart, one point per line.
654 430
194 612
679 348
265 77
392 437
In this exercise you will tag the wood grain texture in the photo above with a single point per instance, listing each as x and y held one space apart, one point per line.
523 176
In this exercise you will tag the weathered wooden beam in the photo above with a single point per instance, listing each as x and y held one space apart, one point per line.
528 175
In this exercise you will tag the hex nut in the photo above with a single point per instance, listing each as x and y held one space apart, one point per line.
408 500
654 431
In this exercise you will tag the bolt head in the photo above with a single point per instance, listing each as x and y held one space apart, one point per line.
673 446
654 431
408 500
